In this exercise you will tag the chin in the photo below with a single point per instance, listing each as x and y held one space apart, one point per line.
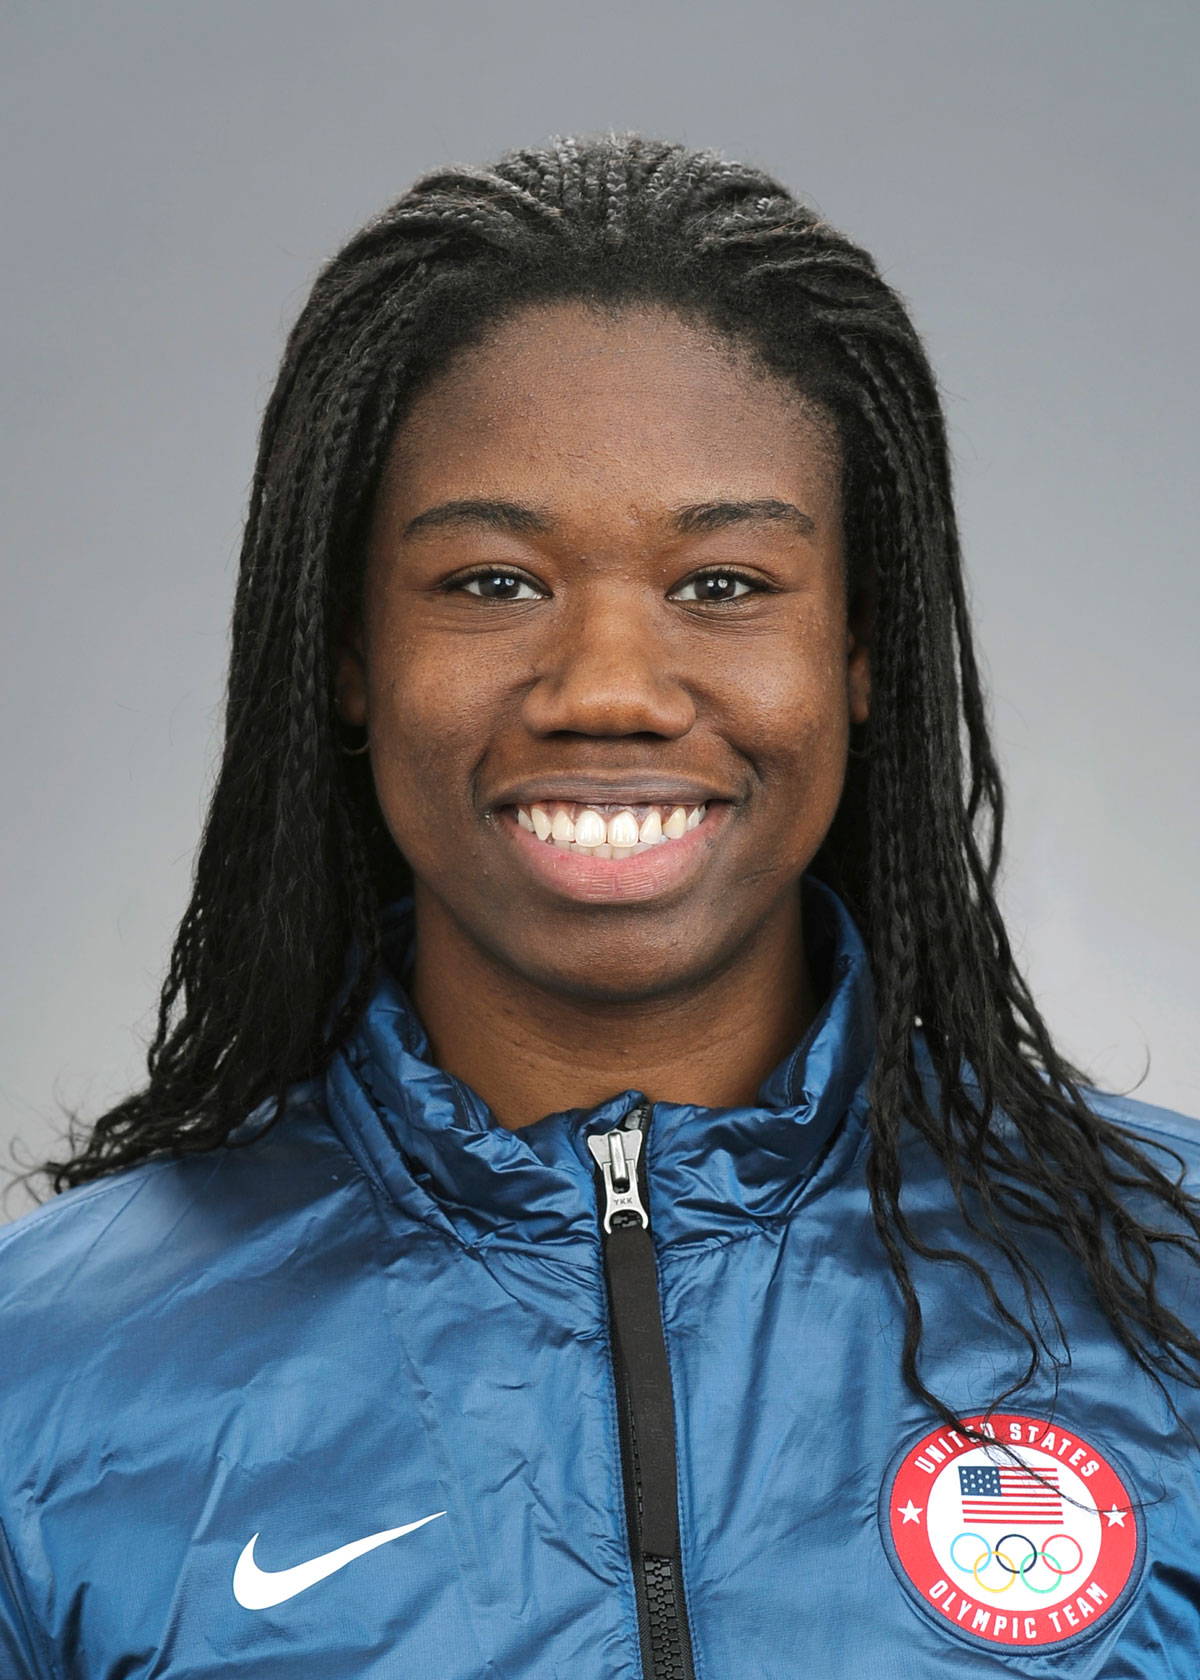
622 966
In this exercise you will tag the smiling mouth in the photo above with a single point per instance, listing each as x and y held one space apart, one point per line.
550 840
608 831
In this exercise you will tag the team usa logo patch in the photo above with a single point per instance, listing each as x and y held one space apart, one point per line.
1031 1539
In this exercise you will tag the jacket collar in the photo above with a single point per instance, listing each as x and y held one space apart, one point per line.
431 1144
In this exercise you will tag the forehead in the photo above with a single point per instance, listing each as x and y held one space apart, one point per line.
629 409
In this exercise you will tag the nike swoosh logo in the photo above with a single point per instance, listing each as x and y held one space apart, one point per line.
259 1589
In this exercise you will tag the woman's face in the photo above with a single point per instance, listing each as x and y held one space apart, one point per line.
605 585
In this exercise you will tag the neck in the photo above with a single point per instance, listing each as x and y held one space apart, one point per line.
529 1052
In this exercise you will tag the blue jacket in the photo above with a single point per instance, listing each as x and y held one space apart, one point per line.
377 1340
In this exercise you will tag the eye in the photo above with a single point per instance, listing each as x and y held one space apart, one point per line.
714 587
498 586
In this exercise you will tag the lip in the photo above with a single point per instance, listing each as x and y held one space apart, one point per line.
632 880
602 790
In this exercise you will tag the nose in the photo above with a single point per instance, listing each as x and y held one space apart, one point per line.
608 672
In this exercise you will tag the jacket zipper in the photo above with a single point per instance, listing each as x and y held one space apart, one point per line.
645 1404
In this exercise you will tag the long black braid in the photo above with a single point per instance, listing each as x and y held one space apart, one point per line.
294 860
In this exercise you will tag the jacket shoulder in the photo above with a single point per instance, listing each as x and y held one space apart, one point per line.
1162 1128
99 1253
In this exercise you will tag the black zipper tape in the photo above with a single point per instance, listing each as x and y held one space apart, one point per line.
642 1352
646 1410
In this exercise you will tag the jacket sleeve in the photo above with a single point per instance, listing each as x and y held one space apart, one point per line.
19 1637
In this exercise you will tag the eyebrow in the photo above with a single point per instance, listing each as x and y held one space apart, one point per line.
716 516
525 521
495 515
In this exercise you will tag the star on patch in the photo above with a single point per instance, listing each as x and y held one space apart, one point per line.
1116 1517
910 1512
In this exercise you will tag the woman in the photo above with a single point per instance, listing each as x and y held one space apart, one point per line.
666 1240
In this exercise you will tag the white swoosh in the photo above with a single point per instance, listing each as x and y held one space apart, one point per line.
259 1589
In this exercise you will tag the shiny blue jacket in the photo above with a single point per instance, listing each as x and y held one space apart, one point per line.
376 1340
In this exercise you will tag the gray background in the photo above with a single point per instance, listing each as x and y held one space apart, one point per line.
174 173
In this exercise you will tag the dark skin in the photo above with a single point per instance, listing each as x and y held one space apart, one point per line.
561 637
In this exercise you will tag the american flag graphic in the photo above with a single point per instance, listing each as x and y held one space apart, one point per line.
1002 1493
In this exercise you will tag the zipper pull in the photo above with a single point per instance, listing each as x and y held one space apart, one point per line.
617 1154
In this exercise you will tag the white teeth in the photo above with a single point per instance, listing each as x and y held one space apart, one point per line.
622 831
589 829
618 837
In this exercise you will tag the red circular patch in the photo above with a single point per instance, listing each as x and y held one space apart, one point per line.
1026 1542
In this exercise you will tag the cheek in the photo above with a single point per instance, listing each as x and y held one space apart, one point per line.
429 726
797 713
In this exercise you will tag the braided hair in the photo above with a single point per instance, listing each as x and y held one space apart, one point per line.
295 861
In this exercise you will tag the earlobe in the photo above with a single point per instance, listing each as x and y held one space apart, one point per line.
351 683
858 651
858 684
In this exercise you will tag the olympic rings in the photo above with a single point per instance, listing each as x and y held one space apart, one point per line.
968 1535
1016 1571
982 1561
1029 1561
1070 1570
1042 1591
994 1591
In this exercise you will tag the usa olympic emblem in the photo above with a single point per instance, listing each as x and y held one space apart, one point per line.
1029 1539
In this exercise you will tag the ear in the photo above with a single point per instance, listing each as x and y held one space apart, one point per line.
860 631
350 684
